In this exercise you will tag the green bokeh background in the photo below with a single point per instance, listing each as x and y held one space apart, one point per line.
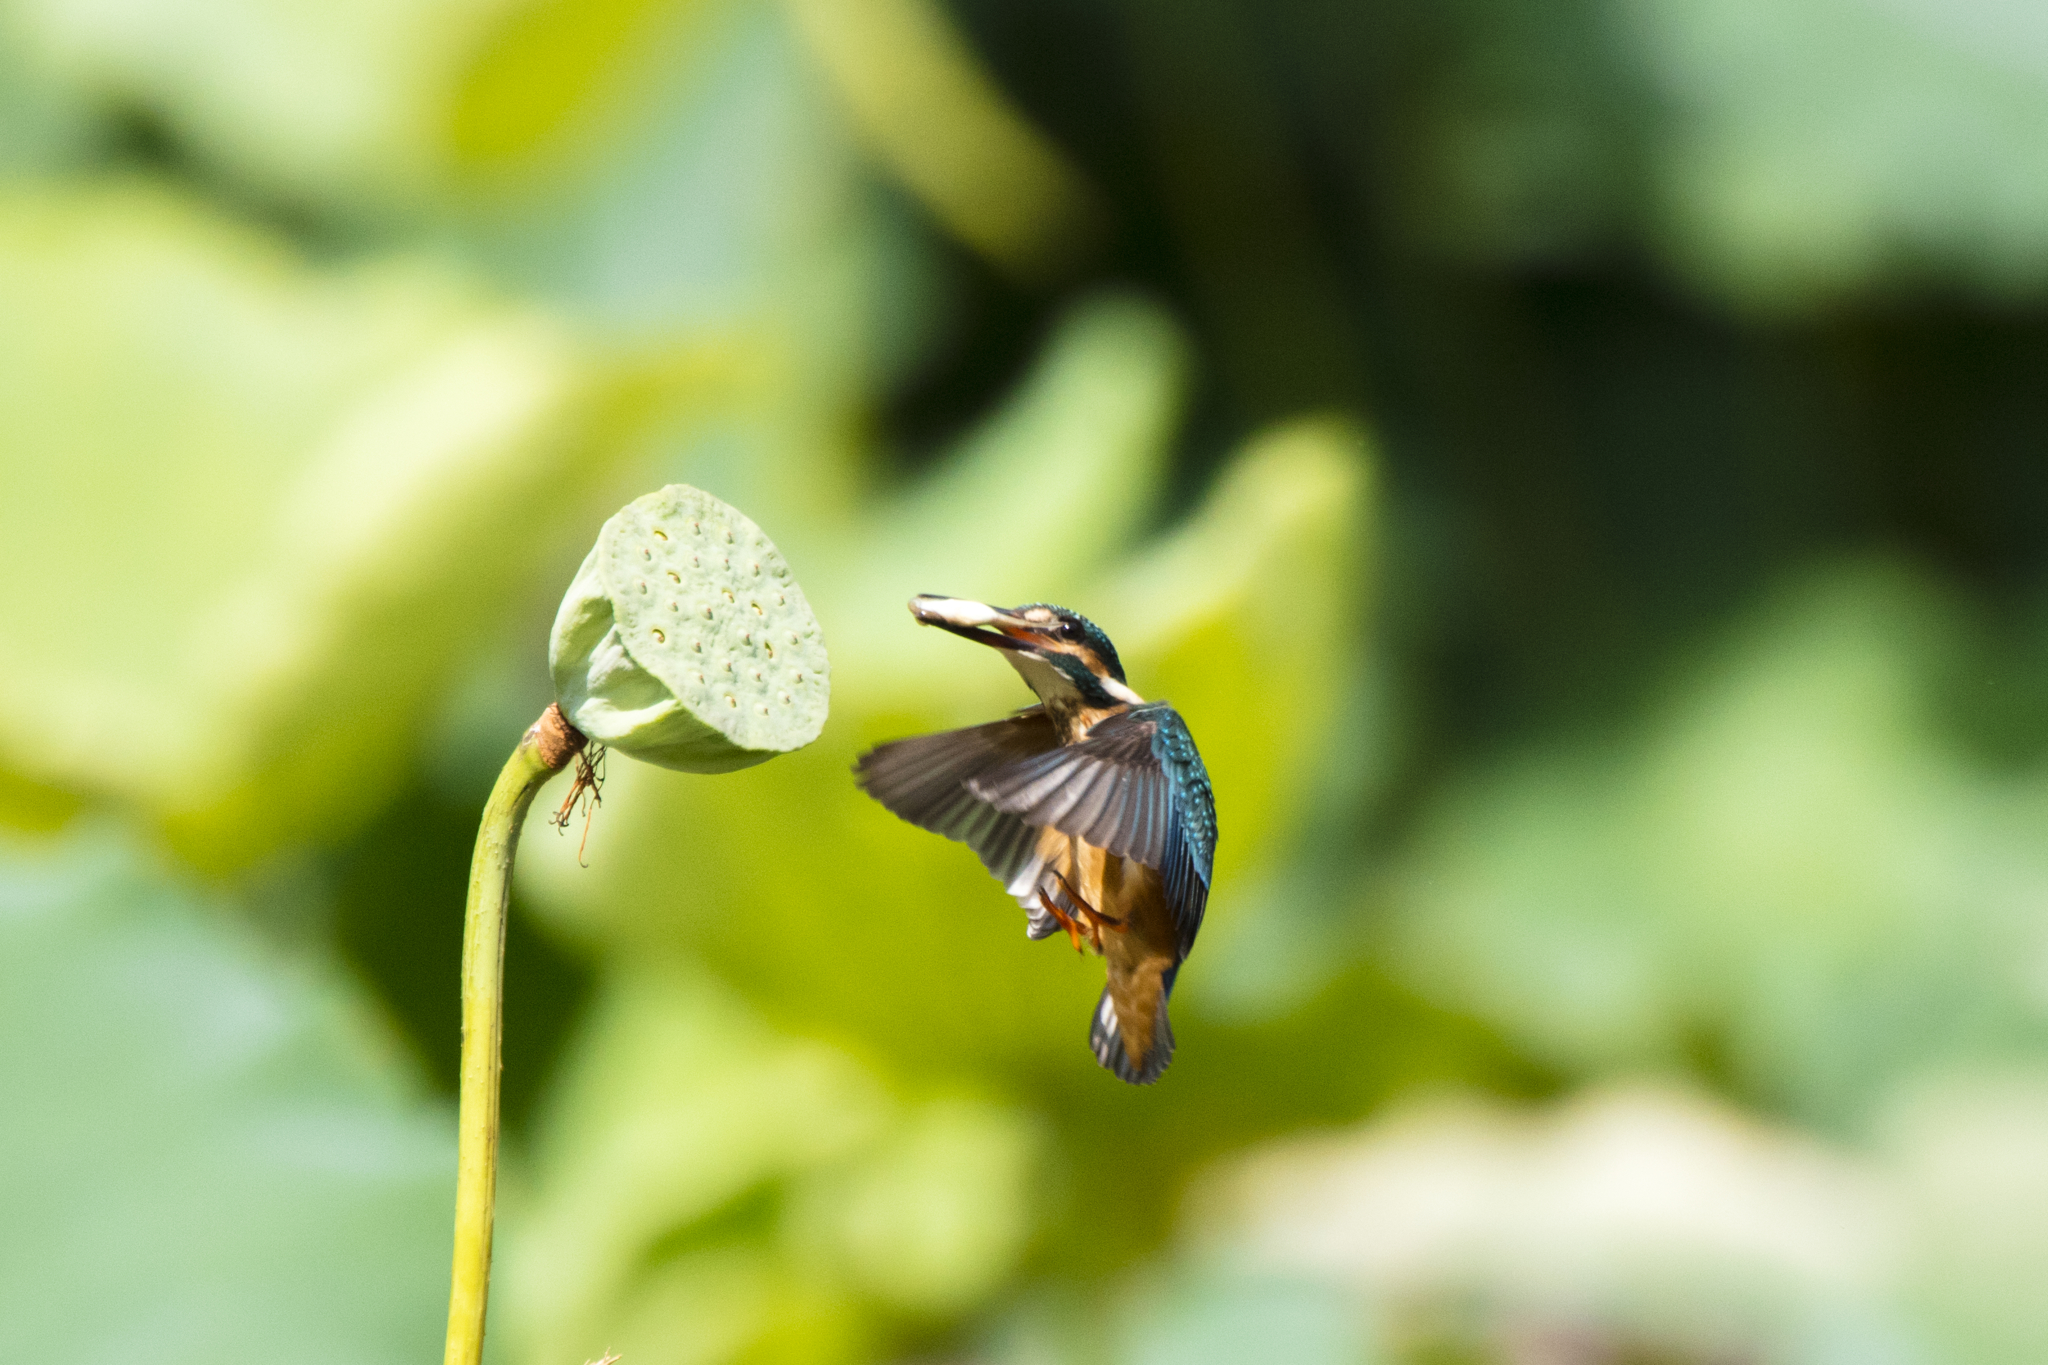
1580 469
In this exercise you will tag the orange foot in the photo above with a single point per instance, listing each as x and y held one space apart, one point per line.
1074 931
1091 919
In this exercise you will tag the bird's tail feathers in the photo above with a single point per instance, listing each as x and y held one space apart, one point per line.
1105 1036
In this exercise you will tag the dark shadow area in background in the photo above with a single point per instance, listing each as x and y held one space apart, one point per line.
399 891
1585 465
988 331
137 139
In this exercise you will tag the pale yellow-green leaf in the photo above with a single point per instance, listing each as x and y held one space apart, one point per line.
374 110
703 1185
939 122
327 102
677 1105
261 507
931 1217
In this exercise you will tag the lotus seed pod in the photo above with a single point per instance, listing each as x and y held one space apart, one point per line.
685 641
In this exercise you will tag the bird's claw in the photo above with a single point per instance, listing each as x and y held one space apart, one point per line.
1084 927
1066 921
1091 919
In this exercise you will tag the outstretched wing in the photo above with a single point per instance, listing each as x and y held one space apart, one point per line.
1136 787
925 781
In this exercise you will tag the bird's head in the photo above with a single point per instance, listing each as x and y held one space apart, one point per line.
1064 656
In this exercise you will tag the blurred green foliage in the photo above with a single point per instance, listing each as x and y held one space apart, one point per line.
1789 877
209 1149
1576 468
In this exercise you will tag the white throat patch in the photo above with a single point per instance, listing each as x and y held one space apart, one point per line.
1121 692
1055 688
1049 683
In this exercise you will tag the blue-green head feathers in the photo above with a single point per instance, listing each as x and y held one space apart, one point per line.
1078 628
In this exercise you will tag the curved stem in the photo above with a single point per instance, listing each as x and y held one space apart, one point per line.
544 750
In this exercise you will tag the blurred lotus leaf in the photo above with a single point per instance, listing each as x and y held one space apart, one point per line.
347 468
369 109
1793 880
551 77
1970 1148
307 98
1637 1221
43 124
1634 1223
681 588
1780 153
939 121
703 1184
1203 1318
932 1216
205 1156
1814 147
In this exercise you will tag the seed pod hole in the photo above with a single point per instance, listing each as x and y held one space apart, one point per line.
615 593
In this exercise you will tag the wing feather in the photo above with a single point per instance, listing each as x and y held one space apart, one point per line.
924 780
1134 786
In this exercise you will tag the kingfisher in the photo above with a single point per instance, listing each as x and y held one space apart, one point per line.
1092 808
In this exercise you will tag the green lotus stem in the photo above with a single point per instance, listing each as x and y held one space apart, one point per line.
683 641
543 751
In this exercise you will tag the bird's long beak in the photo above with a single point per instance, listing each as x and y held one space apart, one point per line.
974 621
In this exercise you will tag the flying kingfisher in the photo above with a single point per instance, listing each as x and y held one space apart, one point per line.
1092 808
